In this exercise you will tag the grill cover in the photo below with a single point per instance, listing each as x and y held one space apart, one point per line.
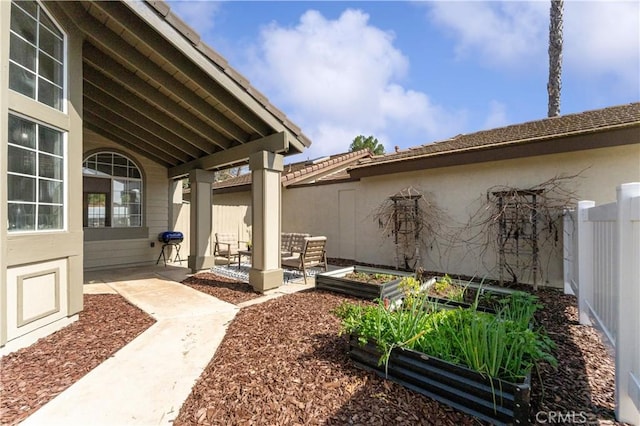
170 237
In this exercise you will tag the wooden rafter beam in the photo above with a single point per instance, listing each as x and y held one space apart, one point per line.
152 39
131 130
101 127
278 143
117 47
134 116
97 60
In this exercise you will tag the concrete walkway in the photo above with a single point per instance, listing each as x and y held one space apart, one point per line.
147 381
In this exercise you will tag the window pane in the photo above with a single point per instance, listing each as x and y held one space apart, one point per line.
22 132
31 7
50 192
50 68
44 19
23 24
105 168
50 43
119 171
22 52
50 140
22 81
120 160
96 210
104 158
22 217
22 161
49 94
49 217
21 188
50 167
134 173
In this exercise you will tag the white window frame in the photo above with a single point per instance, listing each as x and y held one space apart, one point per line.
64 58
64 180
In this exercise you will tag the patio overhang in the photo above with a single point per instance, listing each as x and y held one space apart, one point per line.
151 86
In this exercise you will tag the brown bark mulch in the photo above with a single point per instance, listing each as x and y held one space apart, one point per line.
282 363
32 376
227 289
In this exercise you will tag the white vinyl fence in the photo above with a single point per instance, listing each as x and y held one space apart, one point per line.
602 266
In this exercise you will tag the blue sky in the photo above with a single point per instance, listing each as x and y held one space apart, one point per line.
411 73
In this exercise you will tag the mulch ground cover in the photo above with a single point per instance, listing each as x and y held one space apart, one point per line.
282 363
227 289
32 376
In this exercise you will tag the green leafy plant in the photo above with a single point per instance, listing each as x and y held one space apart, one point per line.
504 345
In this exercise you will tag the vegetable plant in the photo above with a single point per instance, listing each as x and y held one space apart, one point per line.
504 345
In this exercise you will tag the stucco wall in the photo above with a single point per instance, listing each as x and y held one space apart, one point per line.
460 190
132 251
344 211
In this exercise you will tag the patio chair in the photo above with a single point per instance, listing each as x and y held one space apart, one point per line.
313 255
285 244
227 245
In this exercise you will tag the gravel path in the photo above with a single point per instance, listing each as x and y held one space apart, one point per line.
282 363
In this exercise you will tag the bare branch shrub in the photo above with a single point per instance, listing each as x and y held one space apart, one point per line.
520 226
414 221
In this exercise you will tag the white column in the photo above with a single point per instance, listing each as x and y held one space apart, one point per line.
200 244
568 228
628 332
266 168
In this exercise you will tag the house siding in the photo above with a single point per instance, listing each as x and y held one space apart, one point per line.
52 260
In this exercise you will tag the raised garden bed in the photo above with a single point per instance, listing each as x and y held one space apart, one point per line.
464 294
339 281
493 400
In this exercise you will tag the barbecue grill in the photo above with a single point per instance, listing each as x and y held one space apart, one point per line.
170 239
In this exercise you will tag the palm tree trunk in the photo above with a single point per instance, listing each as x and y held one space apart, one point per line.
555 57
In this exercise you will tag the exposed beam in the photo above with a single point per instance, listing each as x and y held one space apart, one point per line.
116 135
142 136
119 13
99 60
134 102
117 47
277 143
140 120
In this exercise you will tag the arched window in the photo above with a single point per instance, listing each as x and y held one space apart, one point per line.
112 186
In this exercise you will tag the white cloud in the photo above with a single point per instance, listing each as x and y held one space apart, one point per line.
198 14
343 78
505 34
601 38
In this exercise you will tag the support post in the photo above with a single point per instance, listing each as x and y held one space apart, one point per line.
569 259
266 168
585 260
200 245
628 303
